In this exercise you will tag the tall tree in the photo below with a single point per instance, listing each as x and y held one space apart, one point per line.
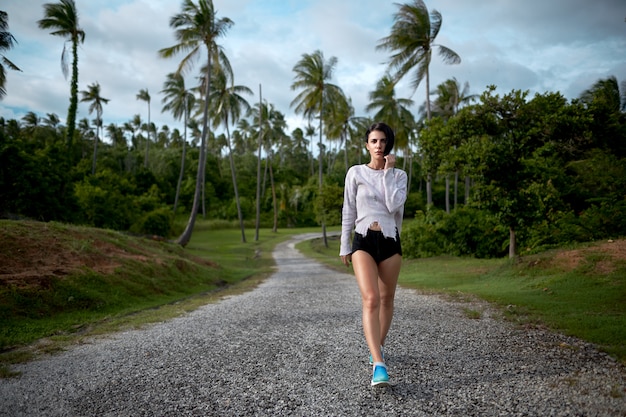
144 95
606 105
312 77
62 19
392 109
450 96
6 43
411 41
228 104
178 100
196 26
92 95
310 132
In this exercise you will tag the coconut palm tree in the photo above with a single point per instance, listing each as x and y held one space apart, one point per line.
270 125
179 100
195 26
6 43
144 95
411 41
312 77
393 110
92 95
62 19
31 120
449 99
450 96
310 132
228 104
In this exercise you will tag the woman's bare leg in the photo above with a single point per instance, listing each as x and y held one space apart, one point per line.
388 271
366 273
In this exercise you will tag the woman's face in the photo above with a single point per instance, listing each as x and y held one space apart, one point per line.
376 142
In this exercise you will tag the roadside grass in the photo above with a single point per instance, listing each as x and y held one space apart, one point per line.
118 282
586 300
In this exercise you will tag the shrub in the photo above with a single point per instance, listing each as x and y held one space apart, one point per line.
157 222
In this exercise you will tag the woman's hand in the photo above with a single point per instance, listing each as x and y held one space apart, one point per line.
346 259
390 161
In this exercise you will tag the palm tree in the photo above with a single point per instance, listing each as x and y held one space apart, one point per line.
228 105
144 95
179 100
312 75
393 110
450 97
31 120
270 124
412 40
195 26
6 43
62 18
310 132
92 95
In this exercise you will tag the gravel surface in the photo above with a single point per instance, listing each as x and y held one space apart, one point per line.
294 347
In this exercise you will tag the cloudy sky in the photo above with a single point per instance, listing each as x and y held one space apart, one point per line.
534 45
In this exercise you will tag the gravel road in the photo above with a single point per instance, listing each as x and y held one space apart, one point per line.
294 347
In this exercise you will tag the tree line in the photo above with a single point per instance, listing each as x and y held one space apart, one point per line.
532 172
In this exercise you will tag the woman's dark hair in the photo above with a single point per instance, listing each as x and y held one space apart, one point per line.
389 135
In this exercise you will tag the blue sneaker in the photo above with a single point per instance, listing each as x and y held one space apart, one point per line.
382 352
380 378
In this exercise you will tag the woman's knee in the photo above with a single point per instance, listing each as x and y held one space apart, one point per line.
386 300
371 300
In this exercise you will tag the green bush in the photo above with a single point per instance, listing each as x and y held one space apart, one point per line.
157 222
464 232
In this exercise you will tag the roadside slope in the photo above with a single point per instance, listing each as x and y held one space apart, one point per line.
293 346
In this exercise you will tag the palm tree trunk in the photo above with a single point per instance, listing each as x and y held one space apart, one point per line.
258 169
145 159
204 184
275 228
429 189
95 152
321 156
185 237
234 177
71 113
182 162
512 243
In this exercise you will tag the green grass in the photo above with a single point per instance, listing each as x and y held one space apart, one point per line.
154 281
149 281
585 302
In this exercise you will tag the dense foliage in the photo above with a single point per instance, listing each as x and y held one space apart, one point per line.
543 167
532 172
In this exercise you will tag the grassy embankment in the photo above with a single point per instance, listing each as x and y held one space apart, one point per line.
577 291
59 283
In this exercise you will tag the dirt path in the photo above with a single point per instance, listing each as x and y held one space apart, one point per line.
294 347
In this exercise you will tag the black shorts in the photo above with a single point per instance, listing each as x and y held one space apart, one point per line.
377 245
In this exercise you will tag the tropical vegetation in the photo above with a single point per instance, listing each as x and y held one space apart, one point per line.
503 172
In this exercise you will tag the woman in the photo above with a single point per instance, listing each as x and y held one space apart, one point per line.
373 206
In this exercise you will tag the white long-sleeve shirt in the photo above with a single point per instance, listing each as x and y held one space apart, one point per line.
370 196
